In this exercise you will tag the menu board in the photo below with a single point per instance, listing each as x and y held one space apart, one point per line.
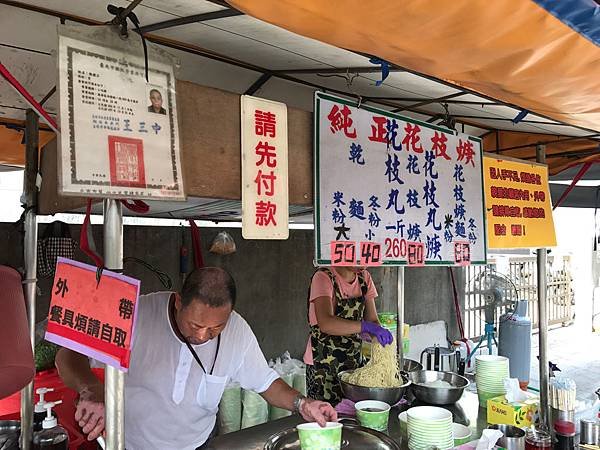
395 191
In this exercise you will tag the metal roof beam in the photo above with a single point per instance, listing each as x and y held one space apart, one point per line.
196 18
429 101
258 84
504 119
553 141
575 154
335 70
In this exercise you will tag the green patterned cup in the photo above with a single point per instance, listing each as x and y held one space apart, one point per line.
461 434
373 414
314 437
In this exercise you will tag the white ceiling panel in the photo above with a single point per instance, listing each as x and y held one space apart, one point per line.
179 8
35 72
239 47
96 9
14 21
276 37
415 84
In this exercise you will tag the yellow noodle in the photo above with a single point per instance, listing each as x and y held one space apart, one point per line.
381 371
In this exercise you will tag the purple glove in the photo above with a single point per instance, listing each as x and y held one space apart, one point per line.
383 336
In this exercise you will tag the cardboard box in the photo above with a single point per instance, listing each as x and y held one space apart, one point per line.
522 414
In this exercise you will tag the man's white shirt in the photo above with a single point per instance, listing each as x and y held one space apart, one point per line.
170 403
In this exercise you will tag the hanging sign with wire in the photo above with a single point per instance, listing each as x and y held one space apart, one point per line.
94 318
119 133
519 210
395 191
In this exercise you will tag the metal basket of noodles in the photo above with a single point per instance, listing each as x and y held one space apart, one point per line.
389 395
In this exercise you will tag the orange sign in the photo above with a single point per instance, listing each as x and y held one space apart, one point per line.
93 318
517 200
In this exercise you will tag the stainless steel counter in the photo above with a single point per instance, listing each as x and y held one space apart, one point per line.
466 411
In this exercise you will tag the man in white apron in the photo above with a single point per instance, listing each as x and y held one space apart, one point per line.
186 348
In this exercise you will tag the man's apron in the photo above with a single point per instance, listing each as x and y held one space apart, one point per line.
333 354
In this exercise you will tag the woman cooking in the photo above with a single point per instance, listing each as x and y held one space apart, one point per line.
341 307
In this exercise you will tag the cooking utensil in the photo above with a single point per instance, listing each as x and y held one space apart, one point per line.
513 439
410 365
353 437
590 431
391 396
440 359
437 395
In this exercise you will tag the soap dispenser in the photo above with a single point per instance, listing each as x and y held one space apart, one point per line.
40 412
52 436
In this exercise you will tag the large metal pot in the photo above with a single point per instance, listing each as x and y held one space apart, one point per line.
391 396
437 395
410 365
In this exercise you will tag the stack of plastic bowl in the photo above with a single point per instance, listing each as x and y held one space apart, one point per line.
491 372
429 426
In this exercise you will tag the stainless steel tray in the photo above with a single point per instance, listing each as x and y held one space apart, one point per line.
353 437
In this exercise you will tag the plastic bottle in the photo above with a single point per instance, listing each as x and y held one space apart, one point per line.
40 412
52 436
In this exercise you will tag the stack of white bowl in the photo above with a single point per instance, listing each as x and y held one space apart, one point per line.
429 426
491 370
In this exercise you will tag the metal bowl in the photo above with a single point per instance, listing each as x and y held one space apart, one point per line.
410 365
391 396
437 395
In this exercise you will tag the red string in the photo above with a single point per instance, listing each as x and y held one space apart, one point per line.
196 244
84 237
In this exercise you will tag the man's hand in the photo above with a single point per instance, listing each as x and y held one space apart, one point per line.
317 411
90 411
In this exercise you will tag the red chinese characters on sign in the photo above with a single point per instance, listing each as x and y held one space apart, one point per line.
265 125
340 120
438 142
379 130
465 152
90 317
265 182
412 139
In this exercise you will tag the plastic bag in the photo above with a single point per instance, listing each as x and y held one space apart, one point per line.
223 244
230 409
293 372
278 413
300 381
255 409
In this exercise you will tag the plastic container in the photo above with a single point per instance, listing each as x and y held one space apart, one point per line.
538 440
514 341
313 437
39 411
52 436
565 435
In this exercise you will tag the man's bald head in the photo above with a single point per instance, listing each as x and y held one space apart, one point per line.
212 286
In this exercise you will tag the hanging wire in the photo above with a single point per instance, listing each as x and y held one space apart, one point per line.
162 276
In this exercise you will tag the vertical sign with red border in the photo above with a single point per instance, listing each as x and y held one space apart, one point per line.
264 139
94 318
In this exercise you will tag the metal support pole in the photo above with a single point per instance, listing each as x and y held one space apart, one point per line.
30 260
543 319
114 379
400 330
